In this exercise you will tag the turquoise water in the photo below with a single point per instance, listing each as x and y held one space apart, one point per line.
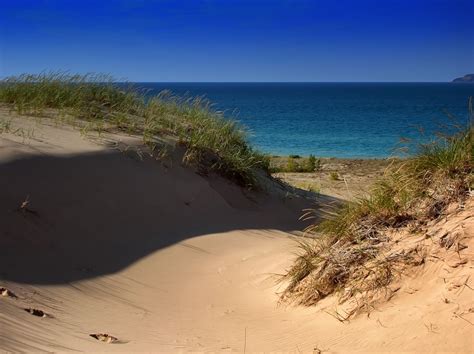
333 119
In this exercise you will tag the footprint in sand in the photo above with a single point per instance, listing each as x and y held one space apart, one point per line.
104 337
7 293
36 312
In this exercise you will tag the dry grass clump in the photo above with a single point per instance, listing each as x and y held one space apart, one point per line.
353 253
210 140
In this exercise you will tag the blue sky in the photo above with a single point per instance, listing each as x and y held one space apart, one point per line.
241 40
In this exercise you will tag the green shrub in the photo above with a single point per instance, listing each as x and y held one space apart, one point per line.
312 164
292 165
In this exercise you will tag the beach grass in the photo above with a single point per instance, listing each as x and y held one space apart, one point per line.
211 141
351 253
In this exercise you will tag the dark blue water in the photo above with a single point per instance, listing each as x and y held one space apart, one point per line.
333 119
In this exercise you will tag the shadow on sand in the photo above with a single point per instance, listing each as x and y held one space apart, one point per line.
94 214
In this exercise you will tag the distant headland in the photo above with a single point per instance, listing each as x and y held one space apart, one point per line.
466 78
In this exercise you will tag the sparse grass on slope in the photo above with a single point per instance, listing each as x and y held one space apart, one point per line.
210 140
351 253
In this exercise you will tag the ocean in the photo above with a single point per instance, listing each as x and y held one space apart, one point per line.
347 120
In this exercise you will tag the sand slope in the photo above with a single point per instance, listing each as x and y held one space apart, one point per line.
167 260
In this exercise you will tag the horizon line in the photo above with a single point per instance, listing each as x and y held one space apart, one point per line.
289 82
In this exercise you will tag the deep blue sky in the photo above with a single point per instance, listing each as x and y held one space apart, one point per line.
241 40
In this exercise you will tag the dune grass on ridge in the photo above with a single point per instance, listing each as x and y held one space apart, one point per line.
210 140
351 253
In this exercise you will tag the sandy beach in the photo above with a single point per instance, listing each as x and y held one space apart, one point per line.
160 258
345 179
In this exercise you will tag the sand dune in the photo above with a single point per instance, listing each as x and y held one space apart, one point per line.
164 259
